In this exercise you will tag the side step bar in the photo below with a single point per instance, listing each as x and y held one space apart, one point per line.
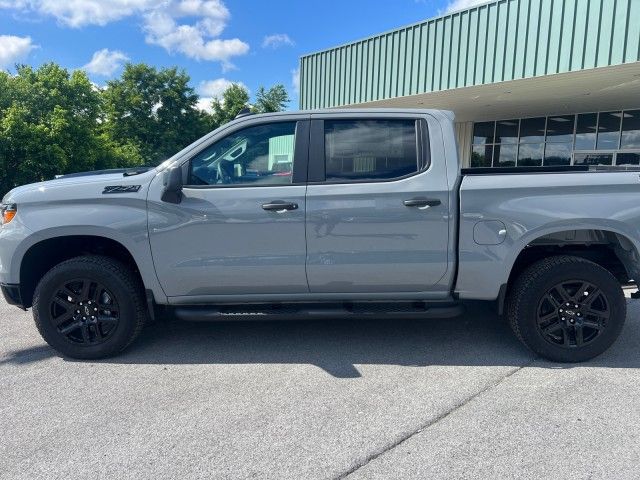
401 310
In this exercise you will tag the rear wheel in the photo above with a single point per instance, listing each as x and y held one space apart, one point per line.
89 307
566 308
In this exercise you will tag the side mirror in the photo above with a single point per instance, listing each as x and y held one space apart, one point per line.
172 182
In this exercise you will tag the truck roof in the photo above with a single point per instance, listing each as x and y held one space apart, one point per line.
358 110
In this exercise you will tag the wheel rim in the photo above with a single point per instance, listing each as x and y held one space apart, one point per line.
84 311
573 314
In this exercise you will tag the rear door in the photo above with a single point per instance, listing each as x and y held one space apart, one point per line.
377 206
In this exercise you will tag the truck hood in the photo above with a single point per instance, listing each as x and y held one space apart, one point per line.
88 185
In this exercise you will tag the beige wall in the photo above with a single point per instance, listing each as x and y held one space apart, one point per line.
464 131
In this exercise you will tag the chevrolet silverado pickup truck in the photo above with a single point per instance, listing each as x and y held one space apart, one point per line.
334 213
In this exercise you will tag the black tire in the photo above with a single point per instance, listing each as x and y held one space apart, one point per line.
585 327
103 291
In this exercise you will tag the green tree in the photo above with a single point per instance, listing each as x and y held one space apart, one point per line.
236 97
275 99
153 111
49 124
55 122
225 109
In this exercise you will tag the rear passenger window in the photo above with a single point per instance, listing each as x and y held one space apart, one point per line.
358 150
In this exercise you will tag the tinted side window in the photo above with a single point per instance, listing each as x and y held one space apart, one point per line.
260 155
370 149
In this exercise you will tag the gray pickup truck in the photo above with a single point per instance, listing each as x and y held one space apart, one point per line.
323 214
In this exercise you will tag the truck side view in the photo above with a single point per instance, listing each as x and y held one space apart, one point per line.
330 214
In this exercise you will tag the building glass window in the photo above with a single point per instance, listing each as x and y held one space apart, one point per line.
532 130
505 155
556 154
630 129
531 140
586 128
609 130
530 154
483 132
560 129
482 149
593 158
604 138
628 158
507 131
482 155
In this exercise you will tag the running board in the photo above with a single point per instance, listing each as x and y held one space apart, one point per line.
401 310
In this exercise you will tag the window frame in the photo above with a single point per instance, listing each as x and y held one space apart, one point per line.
317 158
300 155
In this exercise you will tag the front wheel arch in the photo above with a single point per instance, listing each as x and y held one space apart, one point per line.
46 254
126 294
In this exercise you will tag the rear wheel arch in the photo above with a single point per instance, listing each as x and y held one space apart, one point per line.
610 249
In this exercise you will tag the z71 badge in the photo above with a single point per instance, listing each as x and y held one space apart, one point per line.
121 189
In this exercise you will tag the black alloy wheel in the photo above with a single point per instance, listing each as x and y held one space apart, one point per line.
90 307
573 313
84 311
566 308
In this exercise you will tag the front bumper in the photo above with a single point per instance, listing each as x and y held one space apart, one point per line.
11 293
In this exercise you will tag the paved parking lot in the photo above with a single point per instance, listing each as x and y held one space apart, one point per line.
363 399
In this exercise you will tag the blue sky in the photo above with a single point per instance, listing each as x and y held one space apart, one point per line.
215 41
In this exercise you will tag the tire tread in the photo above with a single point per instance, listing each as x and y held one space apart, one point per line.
121 271
530 276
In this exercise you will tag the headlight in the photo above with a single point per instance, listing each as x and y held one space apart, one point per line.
9 211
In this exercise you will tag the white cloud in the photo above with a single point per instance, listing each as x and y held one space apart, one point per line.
162 22
277 40
456 5
210 89
105 62
78 13
204 104
196 40
295 79
13 49
215 88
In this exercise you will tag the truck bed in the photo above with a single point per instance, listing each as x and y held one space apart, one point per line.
502 211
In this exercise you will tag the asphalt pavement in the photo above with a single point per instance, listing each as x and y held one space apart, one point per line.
454 398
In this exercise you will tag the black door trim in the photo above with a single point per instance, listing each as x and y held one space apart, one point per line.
316 172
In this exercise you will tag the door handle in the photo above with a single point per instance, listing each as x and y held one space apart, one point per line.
279 206
422 202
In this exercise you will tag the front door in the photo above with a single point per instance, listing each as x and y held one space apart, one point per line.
240 227
377 207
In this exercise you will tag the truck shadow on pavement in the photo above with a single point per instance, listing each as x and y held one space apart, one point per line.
478 338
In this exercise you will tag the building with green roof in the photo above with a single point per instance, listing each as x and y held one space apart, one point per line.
532 82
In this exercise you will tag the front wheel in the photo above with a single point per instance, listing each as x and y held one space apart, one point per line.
89 307
566 309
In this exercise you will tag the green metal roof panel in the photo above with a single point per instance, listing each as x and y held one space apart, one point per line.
498 41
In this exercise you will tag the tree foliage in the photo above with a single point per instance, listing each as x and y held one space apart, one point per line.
275 99
53 121
153 111
49 123
233 99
